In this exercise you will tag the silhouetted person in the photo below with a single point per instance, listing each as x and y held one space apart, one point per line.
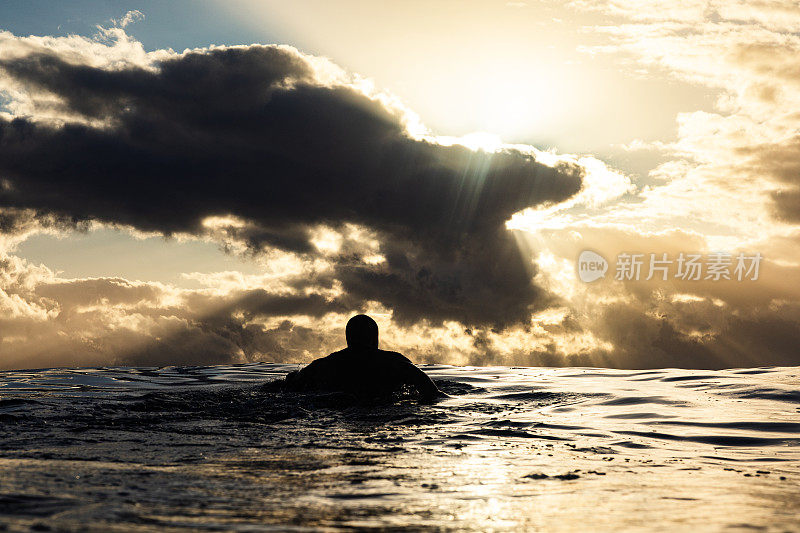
361 368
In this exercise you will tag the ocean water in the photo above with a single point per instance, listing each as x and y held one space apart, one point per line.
554 449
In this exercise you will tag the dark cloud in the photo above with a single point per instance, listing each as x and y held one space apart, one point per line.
787 204
212 329
112 291
637 336
482 276
705 337
780 162
46 321
251 132
19 222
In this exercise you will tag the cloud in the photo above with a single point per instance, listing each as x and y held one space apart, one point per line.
349 205
267 135
730 182
129 18
46 320
747 148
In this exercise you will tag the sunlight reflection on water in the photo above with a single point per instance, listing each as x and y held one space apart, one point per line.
523 448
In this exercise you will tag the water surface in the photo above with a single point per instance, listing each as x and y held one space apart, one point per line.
568 449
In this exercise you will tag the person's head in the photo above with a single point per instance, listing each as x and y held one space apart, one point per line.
361 332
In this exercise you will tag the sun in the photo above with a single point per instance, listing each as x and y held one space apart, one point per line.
477 141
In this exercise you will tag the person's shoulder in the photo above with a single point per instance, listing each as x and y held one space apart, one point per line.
322 362
395 356
336 355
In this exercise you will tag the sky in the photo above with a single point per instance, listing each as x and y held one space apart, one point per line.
219 182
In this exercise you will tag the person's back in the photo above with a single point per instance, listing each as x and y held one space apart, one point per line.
361 368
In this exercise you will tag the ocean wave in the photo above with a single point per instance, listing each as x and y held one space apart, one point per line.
226 447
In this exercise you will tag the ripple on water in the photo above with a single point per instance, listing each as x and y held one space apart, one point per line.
717 440
639 400
226 448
